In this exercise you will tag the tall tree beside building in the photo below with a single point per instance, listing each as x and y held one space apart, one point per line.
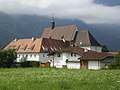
117 59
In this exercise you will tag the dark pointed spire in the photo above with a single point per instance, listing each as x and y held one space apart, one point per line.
53 22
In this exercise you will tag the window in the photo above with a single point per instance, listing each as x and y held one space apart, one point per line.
17 55
62 37
95 48
30 55
58 55
23 47
55 48
34 55
60 48
43 55
74 54
45 48
71 54
26 56
22 55
51 48
30 47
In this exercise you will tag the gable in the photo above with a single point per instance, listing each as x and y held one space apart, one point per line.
85 38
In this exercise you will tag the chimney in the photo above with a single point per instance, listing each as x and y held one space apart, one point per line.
15 39
53 22
33 38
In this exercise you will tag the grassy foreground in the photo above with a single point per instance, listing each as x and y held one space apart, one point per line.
58 79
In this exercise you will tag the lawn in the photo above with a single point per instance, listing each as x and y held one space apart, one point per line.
58 79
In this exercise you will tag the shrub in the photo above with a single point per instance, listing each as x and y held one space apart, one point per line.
114 67
30 64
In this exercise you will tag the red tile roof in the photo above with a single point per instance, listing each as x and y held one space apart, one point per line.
38 45
25 45
92 55
88 55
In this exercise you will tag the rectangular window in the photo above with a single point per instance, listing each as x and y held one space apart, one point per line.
71 54
30 55
58 55
43 55
74 54
34 55
26 56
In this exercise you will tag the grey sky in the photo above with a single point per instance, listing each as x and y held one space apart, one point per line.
84 10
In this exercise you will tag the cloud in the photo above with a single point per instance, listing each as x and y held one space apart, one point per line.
85 10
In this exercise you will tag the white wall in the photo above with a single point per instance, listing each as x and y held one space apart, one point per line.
59 61
73 65
93 48
41 57
94 65
30 57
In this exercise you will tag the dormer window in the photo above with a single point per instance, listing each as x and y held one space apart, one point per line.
31 47
55 49
12 47
62 37
17 47
23 47
59 48
51 48
45 48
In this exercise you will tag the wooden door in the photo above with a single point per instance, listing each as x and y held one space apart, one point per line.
84 64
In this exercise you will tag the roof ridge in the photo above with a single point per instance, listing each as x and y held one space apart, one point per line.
64 26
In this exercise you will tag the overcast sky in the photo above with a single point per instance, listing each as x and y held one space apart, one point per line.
85 10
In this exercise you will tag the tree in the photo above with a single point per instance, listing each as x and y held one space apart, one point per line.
117 60
7 58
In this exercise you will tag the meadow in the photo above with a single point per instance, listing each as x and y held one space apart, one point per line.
58 79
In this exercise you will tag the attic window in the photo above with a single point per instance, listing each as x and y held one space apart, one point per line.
45 48
51 48
17 47
55 48
50 37
31 47
11 47
62 37
60 48
23 47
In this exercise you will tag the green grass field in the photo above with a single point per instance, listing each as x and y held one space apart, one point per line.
58 79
